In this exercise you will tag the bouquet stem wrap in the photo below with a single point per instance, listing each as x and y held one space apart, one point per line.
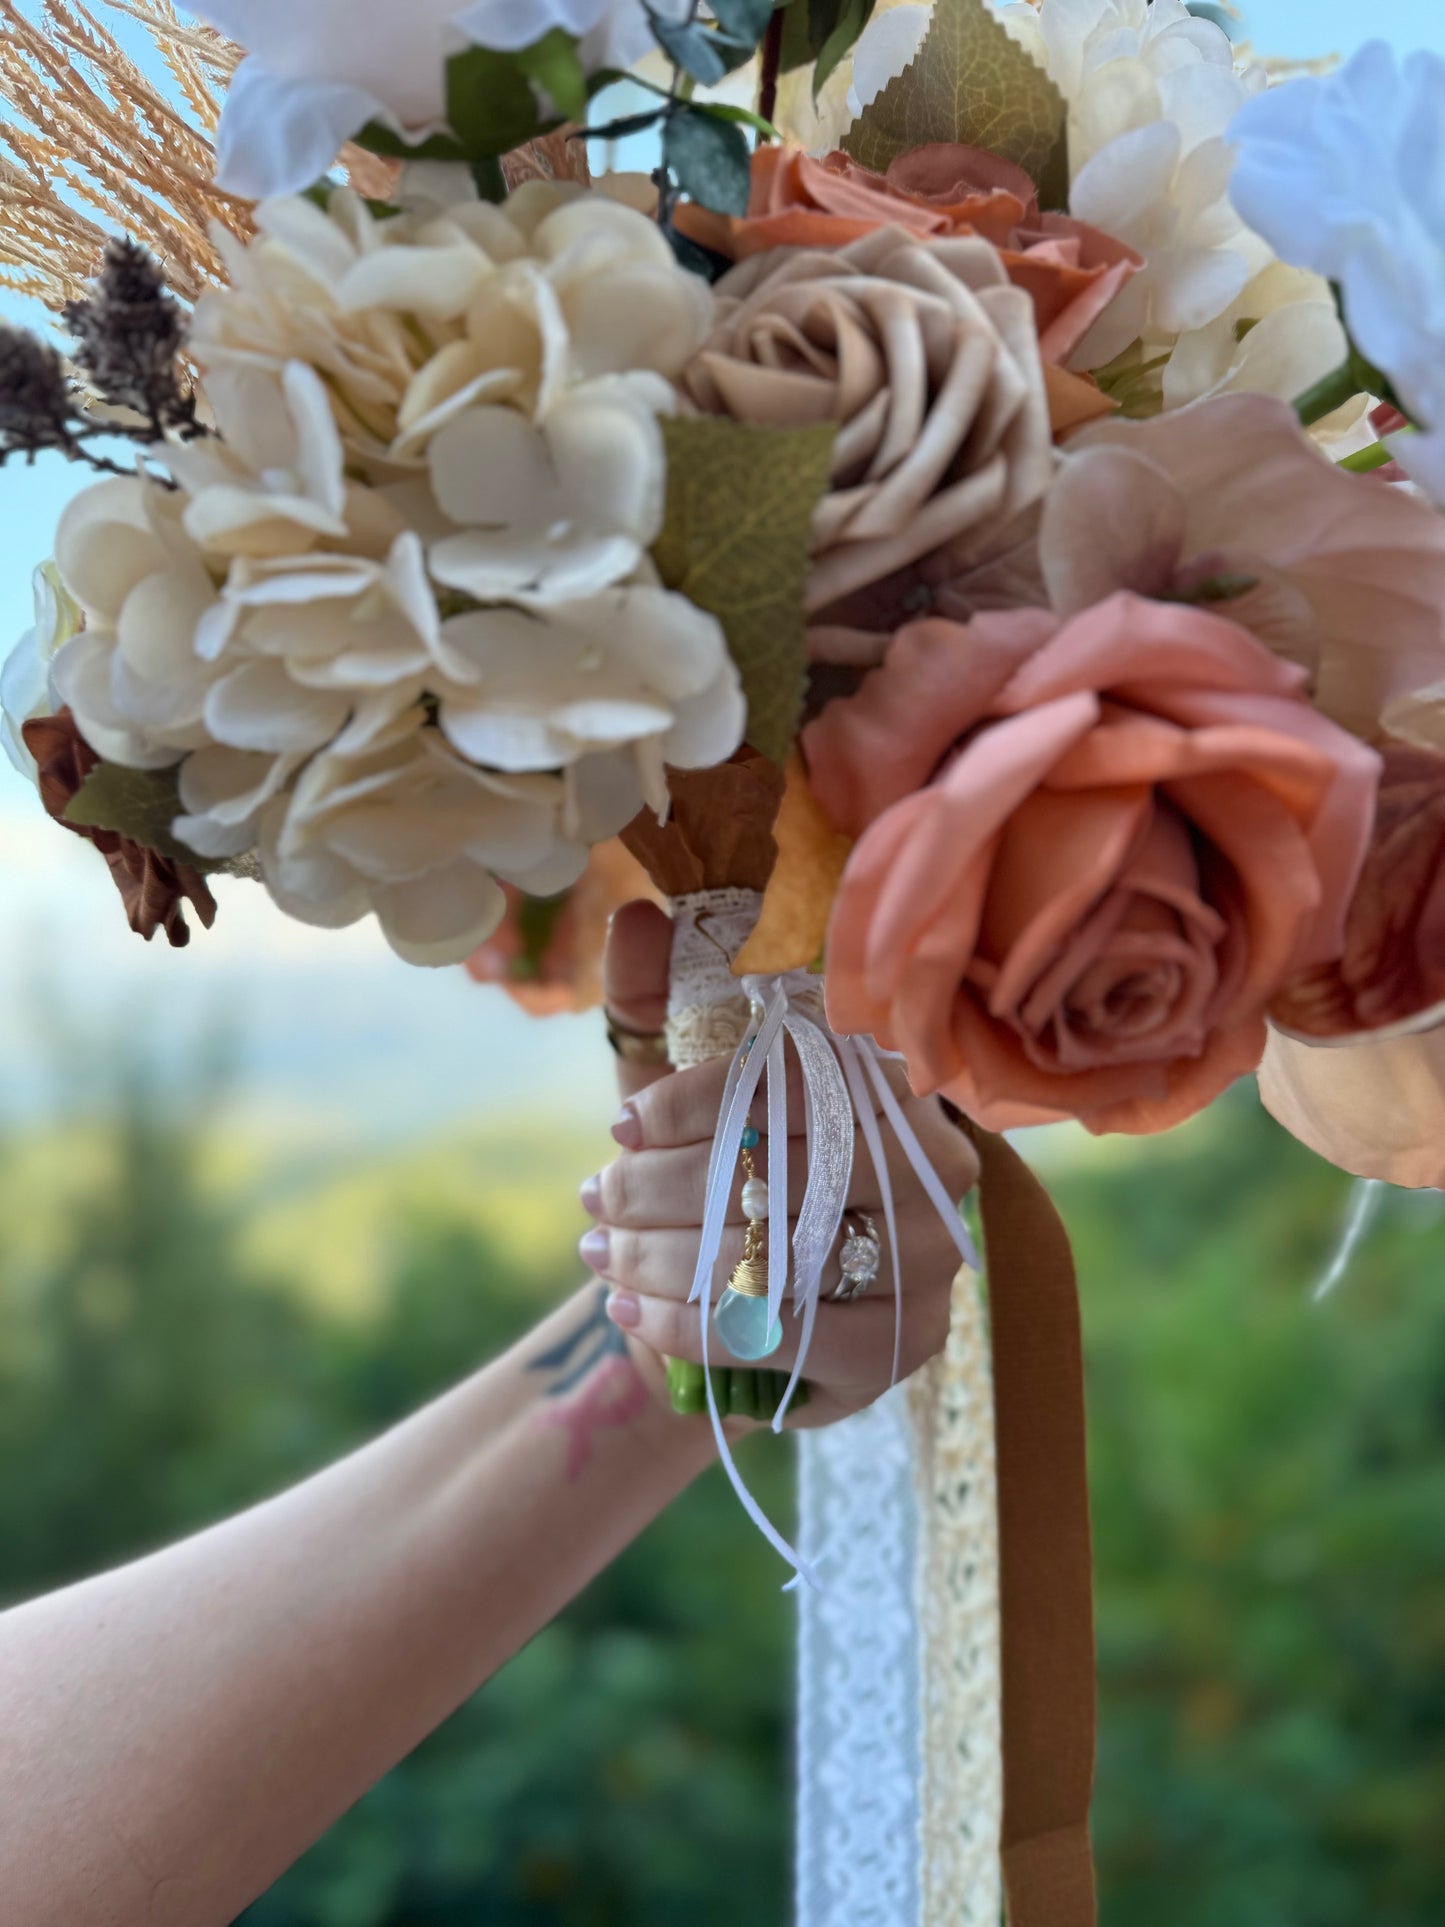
900 1789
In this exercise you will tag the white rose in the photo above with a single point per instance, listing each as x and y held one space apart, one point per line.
1337 174
319 70
25 690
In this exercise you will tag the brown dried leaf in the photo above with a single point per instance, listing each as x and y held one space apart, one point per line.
720 832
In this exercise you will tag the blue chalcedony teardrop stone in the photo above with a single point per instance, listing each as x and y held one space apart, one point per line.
742 1325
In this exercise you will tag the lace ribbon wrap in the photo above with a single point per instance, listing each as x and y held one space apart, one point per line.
899 1780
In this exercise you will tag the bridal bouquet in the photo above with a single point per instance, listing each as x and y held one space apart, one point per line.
968 521
1005 472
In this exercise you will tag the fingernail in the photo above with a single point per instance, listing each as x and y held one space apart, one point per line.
628 1129
593 1248
624 1310
591 1196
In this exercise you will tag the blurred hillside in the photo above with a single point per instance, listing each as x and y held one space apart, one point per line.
191 1315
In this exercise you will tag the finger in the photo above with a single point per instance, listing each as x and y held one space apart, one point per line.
685 1108
661 1264
635 968
852 1345
656 1190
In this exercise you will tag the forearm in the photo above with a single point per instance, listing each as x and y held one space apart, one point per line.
175 1733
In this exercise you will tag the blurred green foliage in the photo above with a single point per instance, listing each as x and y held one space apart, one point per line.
1269 1486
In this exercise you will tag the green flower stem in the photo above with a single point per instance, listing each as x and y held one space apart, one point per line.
739 1394
687 1385
1366 460
1333 392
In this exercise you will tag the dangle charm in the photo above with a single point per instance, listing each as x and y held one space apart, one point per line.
741 1318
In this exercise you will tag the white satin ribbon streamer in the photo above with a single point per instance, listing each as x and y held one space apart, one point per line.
836 1074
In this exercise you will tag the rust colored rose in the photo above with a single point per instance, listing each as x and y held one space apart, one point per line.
1069 270
1392 968
1090 853
927 361
153 887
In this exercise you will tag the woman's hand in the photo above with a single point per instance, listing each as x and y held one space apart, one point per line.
648 1208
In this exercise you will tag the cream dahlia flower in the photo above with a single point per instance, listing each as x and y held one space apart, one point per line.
398 624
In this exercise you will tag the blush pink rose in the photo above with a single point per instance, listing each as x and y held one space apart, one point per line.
1089 853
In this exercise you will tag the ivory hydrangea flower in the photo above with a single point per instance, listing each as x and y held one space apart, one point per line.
413 319
25 678
1341 175
397 624
319 70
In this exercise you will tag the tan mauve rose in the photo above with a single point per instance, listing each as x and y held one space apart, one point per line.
928 362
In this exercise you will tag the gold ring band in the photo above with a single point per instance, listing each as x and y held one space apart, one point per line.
645 1049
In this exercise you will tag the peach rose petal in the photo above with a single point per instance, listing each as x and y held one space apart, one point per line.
1375 1109
1363 564
868 753
1388 973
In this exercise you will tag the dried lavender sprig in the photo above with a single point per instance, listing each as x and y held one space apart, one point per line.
128 334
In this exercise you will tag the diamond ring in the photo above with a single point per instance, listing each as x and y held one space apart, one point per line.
861 1258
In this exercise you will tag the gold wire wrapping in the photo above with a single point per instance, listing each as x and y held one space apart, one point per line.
750 1277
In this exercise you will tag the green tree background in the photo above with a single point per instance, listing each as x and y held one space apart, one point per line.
1269 1486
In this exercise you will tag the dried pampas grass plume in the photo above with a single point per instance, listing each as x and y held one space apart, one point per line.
89 147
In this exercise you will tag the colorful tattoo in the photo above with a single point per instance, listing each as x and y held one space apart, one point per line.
598 1381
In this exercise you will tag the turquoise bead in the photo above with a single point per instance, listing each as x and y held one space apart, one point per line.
742 1325
750 1138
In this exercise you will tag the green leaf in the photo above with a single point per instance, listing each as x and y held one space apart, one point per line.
554 64
797 47
741 117
702 53
711 159
970 81
851 21
736 540
490 103
744 20
377 138
140 804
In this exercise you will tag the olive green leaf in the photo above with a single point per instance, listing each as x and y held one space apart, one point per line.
736 541
140 804
970 81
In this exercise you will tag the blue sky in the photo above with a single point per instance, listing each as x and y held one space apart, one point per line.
330 1031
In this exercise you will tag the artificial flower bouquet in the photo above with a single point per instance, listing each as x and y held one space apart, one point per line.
967 521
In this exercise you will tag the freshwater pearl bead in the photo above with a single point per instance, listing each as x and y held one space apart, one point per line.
755 1199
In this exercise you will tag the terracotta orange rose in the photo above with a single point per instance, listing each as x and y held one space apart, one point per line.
1089 854
1070 270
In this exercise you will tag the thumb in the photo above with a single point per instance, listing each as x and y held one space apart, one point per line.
634 981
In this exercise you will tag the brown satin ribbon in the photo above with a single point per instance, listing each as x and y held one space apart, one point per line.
1045 1557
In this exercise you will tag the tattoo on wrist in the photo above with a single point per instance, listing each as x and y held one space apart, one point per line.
594 1381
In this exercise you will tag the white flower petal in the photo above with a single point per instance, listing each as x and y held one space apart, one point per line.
259 706
442 917
279 135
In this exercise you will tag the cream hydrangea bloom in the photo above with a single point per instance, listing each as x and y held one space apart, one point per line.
413 318
398 625
25 679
